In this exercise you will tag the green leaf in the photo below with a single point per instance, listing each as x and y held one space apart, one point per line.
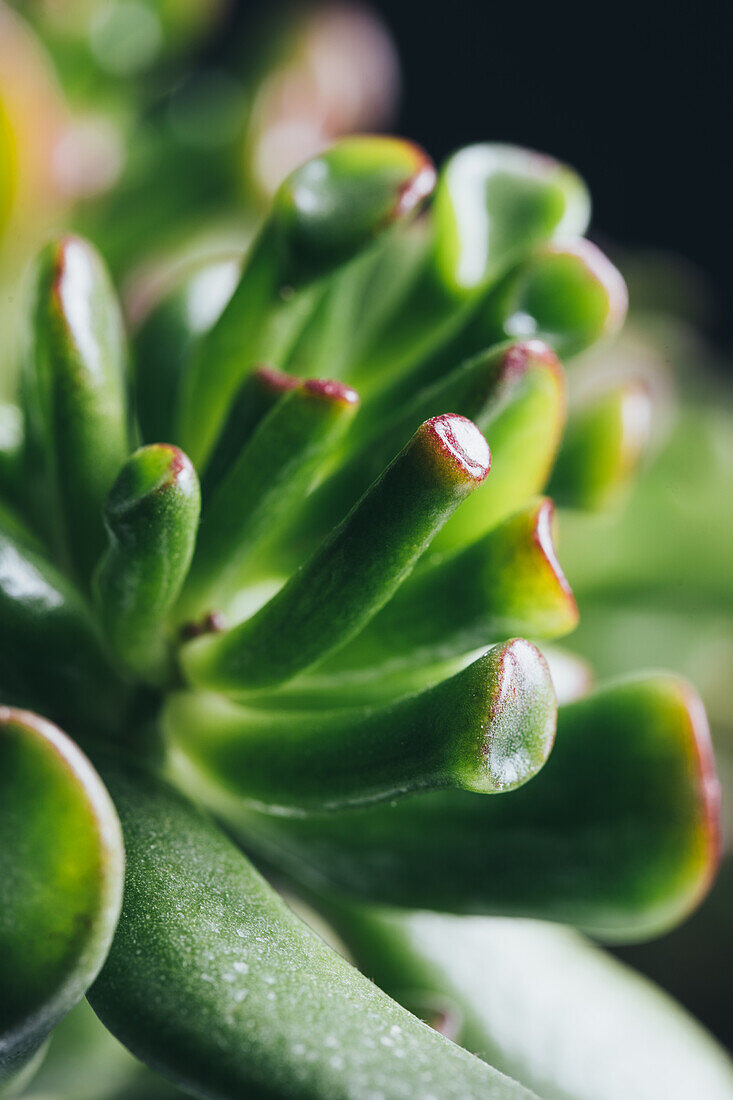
540 1003
75 393
182 313
489 729
604 442
524 433
327 211
355 570
493 202
514 391
616 835
256 397
151 515
508 583
216 984
51 655
330 207
272 473
61 868
567 294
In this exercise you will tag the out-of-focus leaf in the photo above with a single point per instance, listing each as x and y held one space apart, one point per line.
604 442
61 869
541 1003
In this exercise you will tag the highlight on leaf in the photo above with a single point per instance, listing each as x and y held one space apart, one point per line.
489 728
61 869
355 570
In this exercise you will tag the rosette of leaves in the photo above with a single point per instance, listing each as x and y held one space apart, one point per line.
291 612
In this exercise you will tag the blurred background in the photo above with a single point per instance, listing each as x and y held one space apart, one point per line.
161 127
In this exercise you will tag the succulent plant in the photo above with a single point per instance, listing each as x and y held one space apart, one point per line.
281 583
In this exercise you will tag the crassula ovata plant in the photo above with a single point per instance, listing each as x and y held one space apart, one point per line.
280 576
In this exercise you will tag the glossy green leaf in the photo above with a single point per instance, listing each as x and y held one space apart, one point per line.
162 341
51 655
604 442
509 582
488 729
75 392
565 295
61 869
616 835
215 983
355 570
271 474
524 434
335 203
515 388
322 215
568 294
151 514
541 1003
256 397
493 202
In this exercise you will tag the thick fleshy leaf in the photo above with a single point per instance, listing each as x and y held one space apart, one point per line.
512 391
51 656
271 474
215 983
568 294
151 515
75 393
61 870
541 1003
322 215
565 295
493 202
489 729
618 834
524 434
509 582
604 442
256 397
330 207
162 341
355 570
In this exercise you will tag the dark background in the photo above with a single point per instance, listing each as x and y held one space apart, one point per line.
635 96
